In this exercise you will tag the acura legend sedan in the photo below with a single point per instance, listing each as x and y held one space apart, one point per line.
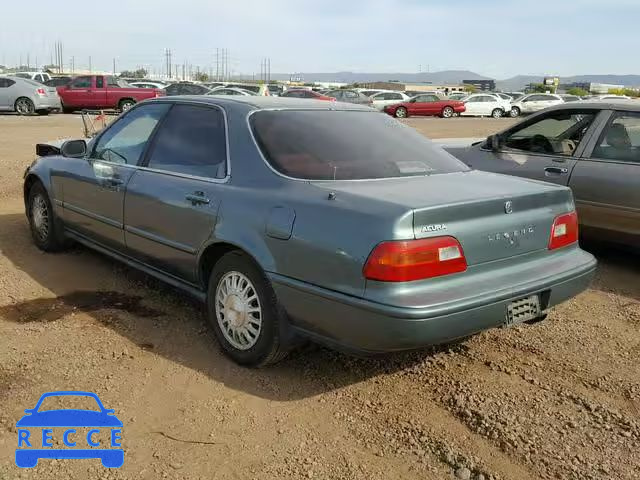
297 219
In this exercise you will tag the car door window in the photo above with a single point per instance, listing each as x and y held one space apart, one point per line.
126 139
426 98
393 96
349 94
559 133
620 140
81 82
99 82
192 141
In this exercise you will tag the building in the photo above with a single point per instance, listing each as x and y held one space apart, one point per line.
597 88
484 85
414 87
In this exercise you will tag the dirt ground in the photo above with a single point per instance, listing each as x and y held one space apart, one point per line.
556 400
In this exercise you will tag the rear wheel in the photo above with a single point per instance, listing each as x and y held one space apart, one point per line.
515 112
497 113
125 104
401 112
447 112
24 106
46 230
244 312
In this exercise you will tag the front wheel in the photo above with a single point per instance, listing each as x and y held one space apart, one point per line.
497 113
45 228
401 112
24 106
244 312
447 112
515 112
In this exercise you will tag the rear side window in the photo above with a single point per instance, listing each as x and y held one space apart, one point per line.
191 141
6 82
620 139
81 82
346 145
99 82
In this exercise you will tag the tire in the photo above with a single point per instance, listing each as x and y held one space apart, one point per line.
401 112
447 112
125 104
497 113
24 106
235 285
46 229
67 109
515 112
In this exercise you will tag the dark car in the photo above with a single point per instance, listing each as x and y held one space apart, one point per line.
306 93
594 148
426 105
349 96
57 81
184 88
298 219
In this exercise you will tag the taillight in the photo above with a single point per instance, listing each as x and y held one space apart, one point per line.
564 231
41 92
407 260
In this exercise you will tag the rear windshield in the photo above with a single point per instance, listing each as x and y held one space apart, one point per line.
346 145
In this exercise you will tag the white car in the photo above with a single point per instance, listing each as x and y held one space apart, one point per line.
609 98
534 102
485 105
147 84
39 77
230 91
382 99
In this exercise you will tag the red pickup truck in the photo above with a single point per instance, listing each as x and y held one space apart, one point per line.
102 91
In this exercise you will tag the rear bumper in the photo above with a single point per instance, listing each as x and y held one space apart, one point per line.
364 326
48 103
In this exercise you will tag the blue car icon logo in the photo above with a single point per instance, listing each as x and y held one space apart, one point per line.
33 446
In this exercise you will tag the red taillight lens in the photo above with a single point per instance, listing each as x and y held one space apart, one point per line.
564 231
407 260
41 92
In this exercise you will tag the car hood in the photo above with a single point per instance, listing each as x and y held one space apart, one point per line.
69 418
438 189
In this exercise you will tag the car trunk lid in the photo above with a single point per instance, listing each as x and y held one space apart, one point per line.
492 216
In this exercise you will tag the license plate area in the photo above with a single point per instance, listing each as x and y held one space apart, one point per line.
523 310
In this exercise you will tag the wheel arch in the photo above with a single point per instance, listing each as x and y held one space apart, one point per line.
215 250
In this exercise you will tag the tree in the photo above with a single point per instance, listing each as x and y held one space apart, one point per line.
470 88
201 77
139 73
538 88
579 92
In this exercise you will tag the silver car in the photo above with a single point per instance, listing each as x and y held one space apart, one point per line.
27 96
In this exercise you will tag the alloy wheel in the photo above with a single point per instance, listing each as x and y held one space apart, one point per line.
40 217
238 310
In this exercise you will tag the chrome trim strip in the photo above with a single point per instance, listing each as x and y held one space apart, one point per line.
94 216
158 239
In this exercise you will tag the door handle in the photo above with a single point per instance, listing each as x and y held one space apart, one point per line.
556 170
197 198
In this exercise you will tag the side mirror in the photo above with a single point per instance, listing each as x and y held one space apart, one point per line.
74 149
494 142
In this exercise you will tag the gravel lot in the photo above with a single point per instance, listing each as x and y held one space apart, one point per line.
559 399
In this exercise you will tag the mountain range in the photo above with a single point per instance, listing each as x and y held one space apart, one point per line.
454 77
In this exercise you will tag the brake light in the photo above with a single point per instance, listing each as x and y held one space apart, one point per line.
564 231
41 92
407 260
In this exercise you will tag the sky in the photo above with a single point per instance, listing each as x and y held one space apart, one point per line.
496 38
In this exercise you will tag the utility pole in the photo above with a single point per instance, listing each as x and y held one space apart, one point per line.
90 70
114 66
28 63
73 65
269 70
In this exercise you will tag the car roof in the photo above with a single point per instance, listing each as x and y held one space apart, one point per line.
263 102
627 106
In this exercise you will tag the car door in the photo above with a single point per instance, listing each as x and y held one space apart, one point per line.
7 98
94 187
606 180
180 183
546 147
78 93
472 105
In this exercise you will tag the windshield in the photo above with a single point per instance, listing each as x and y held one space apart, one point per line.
69 402
346 145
